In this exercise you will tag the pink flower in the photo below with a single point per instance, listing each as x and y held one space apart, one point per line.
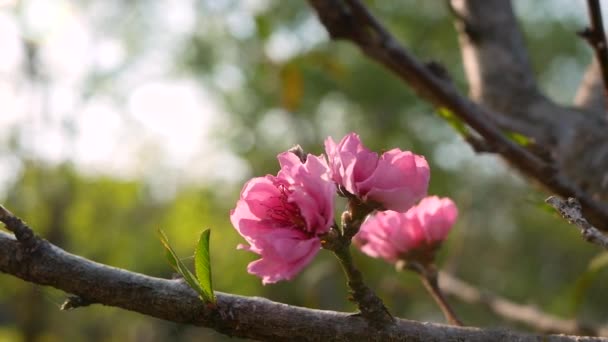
282 216
436 216
391 235
396 180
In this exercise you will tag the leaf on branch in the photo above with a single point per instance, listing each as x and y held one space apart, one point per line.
518 138
453 121
180 268
202 264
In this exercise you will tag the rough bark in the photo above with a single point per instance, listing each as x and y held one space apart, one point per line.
570 210
250 317
500 78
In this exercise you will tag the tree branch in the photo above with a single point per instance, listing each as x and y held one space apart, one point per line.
596 37
526 314
350 20
488 31
255 318
571 211
22 232
497 68
590 94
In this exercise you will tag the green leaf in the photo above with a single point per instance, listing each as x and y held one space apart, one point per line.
453 121
518 138
169 253
179 266
171 260
202 266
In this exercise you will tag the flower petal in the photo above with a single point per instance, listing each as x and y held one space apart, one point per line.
272 268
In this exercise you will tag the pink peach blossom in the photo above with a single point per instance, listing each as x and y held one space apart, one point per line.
281 217
396 180
436 216
391 235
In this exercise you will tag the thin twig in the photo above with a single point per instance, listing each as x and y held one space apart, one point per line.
22 231
515 312
571 211
596 37
431 285
73 302
351 20
429 278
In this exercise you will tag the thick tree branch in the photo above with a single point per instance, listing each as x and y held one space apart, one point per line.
500 78
255 318
488 31
498 69
526 314
350 20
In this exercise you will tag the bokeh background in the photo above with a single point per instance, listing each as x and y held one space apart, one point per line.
118 118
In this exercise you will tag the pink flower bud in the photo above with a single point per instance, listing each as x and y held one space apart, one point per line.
393 236
281 217
436 216
396 180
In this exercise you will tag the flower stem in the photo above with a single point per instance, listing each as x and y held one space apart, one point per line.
430 283
370 305
339 241
429 277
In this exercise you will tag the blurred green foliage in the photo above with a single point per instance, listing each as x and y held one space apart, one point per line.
504 240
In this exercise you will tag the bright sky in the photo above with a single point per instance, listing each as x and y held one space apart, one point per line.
164 124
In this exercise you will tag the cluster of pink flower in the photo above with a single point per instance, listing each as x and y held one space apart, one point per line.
283 217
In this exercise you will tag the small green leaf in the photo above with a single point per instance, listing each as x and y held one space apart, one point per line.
453 121
179 266
171 260
169 254
202 265
518 138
